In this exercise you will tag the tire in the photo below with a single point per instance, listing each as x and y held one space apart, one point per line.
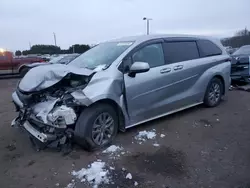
23 71
213 93
87 123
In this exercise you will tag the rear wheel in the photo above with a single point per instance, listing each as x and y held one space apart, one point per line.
96 127
213 93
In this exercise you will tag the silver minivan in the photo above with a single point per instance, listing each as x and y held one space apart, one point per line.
120 84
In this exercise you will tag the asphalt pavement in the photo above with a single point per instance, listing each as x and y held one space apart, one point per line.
199 147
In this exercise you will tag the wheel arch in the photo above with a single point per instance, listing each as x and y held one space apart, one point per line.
222 80
118 109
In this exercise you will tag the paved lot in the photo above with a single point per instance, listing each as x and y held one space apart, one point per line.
202 148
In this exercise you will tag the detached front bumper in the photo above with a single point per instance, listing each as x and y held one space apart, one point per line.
46 133
37 134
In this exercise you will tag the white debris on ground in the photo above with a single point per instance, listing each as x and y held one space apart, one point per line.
129 176
135 184
70 185
162 135
145 135
95 175
156 145
112 149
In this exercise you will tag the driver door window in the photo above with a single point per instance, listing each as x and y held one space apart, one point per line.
151 54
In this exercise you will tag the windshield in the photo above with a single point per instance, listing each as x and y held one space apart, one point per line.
101 55
243 50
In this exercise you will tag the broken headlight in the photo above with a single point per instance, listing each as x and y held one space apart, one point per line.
75 83
68 100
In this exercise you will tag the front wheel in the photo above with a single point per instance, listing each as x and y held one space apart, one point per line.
213 93
96 127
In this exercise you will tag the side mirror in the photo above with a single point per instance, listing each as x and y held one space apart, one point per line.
138 67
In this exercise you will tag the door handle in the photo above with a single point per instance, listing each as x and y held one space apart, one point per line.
165 70
178 67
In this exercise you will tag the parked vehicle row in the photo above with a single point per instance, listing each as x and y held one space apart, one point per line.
119 84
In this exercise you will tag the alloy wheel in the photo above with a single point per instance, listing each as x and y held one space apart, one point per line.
214 93
103 128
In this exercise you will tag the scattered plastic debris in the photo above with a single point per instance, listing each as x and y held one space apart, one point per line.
231 87
145 135
57 184
94 175
129 176
162 135
135 184
123 169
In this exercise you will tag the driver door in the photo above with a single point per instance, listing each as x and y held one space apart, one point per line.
145 92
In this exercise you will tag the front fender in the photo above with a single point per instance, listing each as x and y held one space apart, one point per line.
103 87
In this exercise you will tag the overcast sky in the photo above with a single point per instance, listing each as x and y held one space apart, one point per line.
93 21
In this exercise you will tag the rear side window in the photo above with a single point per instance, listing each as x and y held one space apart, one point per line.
180 51
207 48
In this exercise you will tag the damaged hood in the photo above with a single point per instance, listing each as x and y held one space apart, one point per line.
42 77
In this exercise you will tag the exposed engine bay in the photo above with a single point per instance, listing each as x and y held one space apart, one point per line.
49 115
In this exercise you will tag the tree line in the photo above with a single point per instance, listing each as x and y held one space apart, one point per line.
241 38
51 49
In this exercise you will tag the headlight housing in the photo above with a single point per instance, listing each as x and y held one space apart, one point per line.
75 83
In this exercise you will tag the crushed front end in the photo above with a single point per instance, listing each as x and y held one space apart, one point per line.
49 115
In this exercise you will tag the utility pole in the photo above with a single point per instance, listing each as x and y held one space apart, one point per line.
54 38
30 45
147 19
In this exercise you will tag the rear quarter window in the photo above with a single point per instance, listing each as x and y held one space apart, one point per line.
180 51
208 48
